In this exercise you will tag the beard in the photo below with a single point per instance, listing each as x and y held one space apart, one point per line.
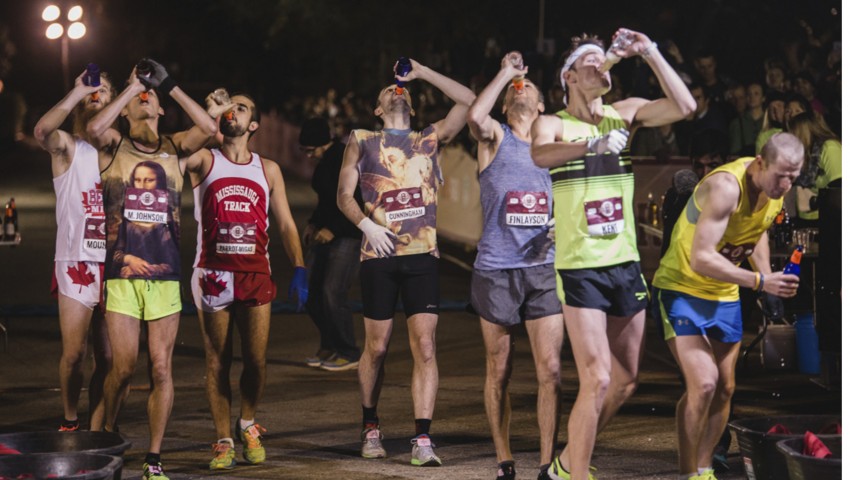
231 129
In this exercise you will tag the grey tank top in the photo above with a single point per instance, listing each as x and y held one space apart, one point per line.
516 200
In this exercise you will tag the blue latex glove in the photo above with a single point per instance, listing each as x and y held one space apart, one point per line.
298 288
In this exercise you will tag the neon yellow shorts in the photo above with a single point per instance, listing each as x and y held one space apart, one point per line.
143 299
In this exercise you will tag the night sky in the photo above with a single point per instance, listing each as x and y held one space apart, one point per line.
282 49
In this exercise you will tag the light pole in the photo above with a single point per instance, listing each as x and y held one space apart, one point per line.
74 29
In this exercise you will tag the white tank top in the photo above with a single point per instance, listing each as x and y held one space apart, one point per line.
80 219
232 211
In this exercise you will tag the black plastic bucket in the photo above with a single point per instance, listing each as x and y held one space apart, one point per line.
74 466
106 443
762 461
804 467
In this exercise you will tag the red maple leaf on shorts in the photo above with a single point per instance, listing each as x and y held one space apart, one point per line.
80 275
211 285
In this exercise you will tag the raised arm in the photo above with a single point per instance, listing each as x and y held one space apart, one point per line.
463 97
483 127
58 143
99 128
677 102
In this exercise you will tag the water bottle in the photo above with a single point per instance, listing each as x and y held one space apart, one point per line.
621 42
10 221
221 97
92 76
516 60
402 69
793 266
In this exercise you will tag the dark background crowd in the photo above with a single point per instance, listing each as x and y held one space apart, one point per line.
329 58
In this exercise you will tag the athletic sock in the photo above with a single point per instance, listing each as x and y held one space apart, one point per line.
423 426
243 424
152 458
370 416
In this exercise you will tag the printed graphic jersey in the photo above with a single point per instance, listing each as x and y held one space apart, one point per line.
743 231
399 178
232 210
80 219
516 201
594 215
141 195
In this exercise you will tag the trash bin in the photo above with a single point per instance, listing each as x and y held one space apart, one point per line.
804 467
106 443
74 466
762 461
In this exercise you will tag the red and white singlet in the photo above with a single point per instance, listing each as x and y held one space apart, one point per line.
80 219
232 210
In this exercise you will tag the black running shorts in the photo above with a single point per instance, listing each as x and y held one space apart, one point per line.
414 276
618 290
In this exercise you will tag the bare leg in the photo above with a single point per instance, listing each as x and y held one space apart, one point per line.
498 345
695 358
217 332
547 336
254 331
422 330
74 320
726 355
124 333
371 368
162 334
102 364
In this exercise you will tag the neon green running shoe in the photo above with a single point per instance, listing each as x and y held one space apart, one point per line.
253 452
225 456
556 471
707 475
153 472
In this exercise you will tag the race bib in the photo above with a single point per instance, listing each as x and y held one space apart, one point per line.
403 204
604 217
149 206
737 253
94 236
236 238
526 209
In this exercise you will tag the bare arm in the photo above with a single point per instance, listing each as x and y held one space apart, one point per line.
677 102
192 140
99 129
280 208
463 97
547 148
348 180
760 259
198 164
58 143
483 127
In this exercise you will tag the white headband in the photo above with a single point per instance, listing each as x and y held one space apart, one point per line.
587 47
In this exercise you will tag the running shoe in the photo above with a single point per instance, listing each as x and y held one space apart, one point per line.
317 359
506 471
69 426
339 364
707 475
423 452
153 472
372 447
253 452
556 471
225 456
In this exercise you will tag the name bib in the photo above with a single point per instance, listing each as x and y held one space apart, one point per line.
604 217
236 238
148 206
403 204
94 236
526 209
737 253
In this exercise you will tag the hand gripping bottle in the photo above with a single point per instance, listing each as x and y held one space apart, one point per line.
92 78
516 60
403 67
793 266
621 42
